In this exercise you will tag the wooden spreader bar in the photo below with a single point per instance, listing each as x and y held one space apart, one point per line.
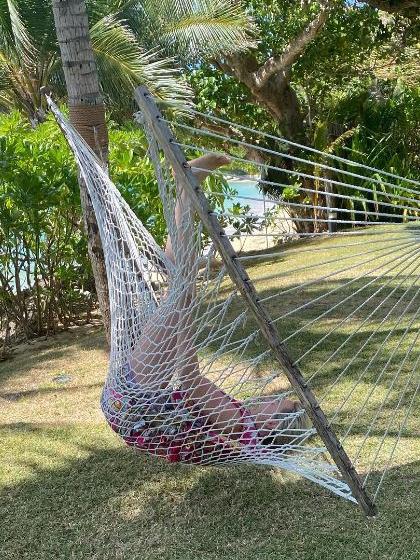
239 276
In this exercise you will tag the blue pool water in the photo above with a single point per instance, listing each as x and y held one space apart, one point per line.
245 188
248 188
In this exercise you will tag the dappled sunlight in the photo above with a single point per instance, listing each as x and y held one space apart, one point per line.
30 449
65 472
228 280
58 380
110 500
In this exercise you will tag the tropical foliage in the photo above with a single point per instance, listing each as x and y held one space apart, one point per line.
46 279
127 39
356 90
341 76
29 57
45 274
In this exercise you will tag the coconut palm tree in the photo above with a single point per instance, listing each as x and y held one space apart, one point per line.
30 58
128 39
111 49
87 113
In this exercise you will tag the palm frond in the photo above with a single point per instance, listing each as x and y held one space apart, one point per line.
122 65
24 68
6 102
6 33
201 27
22 41
99 9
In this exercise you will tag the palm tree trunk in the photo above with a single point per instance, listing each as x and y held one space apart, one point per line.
87 114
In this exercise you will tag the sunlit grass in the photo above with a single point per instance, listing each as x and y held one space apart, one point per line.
70 490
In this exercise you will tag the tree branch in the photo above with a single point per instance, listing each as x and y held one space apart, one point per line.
241 65
293 51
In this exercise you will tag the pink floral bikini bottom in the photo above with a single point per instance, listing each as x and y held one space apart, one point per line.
162 422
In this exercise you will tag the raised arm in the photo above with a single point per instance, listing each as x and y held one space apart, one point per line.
202 167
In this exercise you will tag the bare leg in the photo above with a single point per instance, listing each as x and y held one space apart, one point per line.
201 168
168 330
201 391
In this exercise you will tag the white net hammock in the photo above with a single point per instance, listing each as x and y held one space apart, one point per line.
195 374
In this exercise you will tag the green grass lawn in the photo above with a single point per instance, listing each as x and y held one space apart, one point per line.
71 490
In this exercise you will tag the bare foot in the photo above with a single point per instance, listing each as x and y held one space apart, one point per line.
204 165
272 415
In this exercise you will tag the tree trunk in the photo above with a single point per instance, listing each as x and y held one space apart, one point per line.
276 94
87 114
280 99
270 86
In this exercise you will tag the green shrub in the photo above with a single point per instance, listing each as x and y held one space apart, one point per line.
45 274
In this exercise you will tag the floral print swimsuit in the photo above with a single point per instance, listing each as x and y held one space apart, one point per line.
162 422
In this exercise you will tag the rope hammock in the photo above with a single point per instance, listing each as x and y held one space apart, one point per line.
252 322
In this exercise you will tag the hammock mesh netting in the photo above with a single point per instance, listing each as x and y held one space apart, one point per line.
334 259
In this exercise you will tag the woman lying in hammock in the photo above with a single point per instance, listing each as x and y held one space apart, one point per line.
198 422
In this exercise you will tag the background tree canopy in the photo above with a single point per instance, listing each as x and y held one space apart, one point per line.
343 77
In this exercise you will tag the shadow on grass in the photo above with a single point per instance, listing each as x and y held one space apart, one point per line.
13 396
375 318
112 504
310 333
350 296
